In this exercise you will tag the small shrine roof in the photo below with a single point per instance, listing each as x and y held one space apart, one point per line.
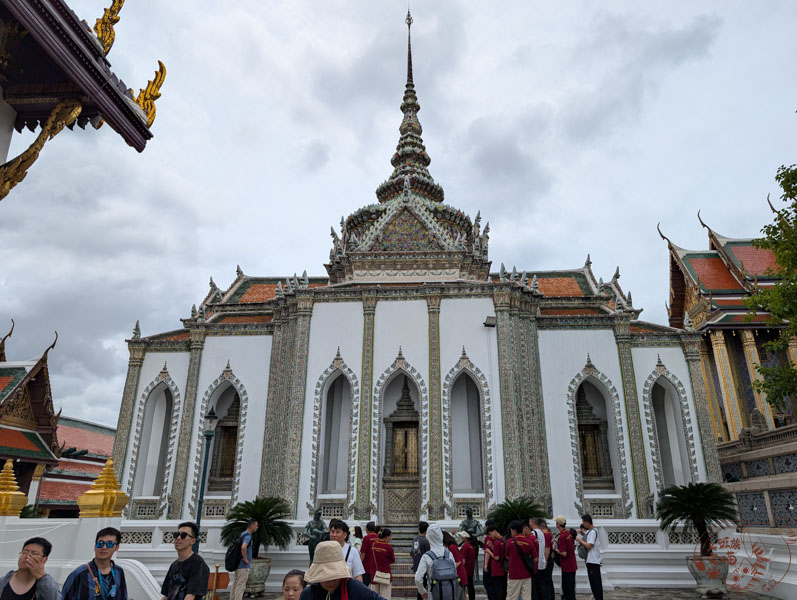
252 290
10 378
83 435
176 335
756 262
710 271
27 446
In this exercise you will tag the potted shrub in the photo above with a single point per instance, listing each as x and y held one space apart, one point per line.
272 530
520 509
702 507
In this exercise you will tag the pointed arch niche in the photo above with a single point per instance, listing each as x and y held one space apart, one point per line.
669 425
336 432
153 444
388 404
467 432
597 444
230 401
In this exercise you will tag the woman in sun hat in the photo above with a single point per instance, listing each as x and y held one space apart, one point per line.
330 577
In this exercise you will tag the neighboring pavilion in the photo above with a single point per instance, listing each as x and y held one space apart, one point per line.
54 74
708 289
27 421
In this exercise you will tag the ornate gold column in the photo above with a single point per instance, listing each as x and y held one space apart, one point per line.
436 501
509 413
730 398
304 312
639 468
692 346
717 420
184 445
137 351
267 484
752 359
362 506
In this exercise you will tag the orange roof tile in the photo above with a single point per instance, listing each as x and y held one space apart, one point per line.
558 312
95 443
178 336
246 319
259 292
713 273
640 329
4 381
559 286
756 261
62 490
13 438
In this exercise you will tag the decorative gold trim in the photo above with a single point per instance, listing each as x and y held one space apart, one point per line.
12 501
147 96
15 170
104 25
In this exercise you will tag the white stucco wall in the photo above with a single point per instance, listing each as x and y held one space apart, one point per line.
333 325
177 365
645 360
563 354
249 358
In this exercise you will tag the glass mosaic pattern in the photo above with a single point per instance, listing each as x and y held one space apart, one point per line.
784 507
758 468
406 233
735 469
752 509
786 463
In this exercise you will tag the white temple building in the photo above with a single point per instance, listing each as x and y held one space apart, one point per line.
413 380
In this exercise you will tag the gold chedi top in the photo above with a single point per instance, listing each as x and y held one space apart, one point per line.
104 499
12 501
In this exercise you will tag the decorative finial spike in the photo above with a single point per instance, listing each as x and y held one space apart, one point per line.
617 274
193 311
165 368
464 354
337 354
137 331
212 283
238 271
588 262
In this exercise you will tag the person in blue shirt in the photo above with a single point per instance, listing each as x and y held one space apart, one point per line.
242 572
101 578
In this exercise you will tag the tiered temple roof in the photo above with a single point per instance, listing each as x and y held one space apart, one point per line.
708 288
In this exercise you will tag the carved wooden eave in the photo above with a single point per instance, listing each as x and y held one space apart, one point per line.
68 45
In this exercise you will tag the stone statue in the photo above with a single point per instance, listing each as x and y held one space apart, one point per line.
314 530
474 529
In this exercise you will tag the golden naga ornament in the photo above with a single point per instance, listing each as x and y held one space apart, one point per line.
104 498
104 25
12 501
15 170
146 97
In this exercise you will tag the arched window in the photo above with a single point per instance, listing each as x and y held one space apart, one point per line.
466 436
670 434
335 432
225 441
150 466
598 456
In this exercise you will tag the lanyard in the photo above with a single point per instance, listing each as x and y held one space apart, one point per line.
99 586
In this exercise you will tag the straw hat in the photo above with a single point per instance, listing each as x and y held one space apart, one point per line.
328 564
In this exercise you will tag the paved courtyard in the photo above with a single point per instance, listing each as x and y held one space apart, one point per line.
662 594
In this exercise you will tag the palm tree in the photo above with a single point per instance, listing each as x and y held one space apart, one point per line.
519 509
698 505
270 514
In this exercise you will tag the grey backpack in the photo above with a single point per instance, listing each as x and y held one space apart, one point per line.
443 579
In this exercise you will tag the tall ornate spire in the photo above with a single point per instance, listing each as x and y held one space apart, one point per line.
410 158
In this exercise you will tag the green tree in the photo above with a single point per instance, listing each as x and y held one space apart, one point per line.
519 509
780 381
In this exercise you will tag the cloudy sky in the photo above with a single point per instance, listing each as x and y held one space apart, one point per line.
573 126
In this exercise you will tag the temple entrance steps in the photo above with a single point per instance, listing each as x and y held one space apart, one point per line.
403 577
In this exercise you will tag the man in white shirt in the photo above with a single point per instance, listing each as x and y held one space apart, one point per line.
339 532
591 541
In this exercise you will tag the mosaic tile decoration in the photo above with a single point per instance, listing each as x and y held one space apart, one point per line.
758 468
405 233
784 507
752 509
735 469
786 463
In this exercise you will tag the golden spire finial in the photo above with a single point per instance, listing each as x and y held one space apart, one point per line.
104 25
12 501
104 498
147 96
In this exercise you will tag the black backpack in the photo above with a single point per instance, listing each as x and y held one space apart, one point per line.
234 555
443 579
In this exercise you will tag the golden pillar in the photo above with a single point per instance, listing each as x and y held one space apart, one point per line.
104 498
12 501
752 360
730 397
717 420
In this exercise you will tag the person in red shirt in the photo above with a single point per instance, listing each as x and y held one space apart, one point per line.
519 583
366 556
469 556
486 581
497 572
566 550
451 543
383 557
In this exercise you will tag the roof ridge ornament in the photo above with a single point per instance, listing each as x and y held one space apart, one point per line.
147 96
3 342
137 331
104 25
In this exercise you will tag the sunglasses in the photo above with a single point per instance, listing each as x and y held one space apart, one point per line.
105 544
182 535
